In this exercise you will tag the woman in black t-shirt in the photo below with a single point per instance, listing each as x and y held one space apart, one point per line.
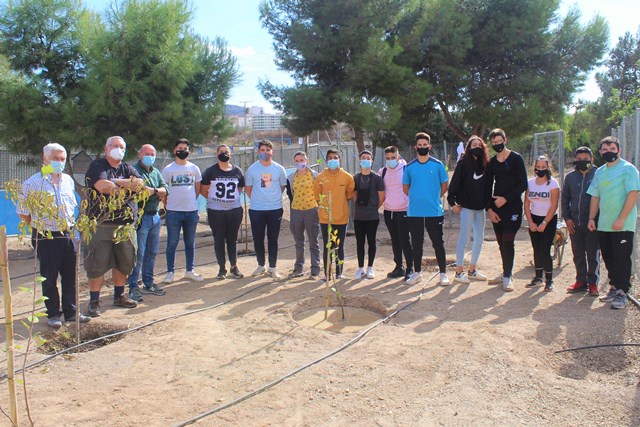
222 186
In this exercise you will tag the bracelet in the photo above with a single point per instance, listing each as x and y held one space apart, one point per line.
544 222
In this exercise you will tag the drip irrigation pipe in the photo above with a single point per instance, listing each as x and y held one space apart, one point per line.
589 347
278 380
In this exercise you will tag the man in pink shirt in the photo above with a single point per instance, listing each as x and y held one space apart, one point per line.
395 212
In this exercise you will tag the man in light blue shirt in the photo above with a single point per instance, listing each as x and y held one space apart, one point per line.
265 182
425 181
614 193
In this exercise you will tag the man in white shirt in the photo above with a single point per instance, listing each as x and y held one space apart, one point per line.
183 179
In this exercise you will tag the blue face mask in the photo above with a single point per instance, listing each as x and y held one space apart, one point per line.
392 163
365 164
57 166
264 157
148 161
333 164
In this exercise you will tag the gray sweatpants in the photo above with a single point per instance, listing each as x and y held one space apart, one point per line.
301 221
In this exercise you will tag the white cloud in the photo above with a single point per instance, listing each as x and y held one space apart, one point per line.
244 52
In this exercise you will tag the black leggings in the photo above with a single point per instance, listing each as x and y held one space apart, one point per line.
225 226
366 230
435 230
342 233
541 243
506 230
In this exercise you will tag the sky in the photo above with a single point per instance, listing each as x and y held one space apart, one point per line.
238 22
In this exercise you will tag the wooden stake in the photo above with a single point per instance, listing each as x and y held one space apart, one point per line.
8 321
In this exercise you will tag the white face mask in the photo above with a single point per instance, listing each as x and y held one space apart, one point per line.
117 153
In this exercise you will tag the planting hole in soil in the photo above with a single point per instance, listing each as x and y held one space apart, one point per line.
359 312
64 337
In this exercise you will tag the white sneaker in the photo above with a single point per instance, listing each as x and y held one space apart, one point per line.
274 274
444 280
341 277
259 271
461 278
168 278
370 273
496 280
415 277
359 273
507 284
476 276
193 276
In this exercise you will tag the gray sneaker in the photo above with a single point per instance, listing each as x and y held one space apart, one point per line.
55 322
135 294
83 319
610 296
153 290
620 301
94 309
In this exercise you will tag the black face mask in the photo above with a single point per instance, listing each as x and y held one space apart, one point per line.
182 154
542 173
224 157
609 156
498 147
423 151
477 151
582 165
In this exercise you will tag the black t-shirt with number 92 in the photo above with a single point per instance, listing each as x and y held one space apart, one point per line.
225 187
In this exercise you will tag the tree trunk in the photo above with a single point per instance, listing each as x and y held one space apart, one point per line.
359 137
450 123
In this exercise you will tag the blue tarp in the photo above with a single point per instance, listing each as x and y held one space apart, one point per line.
8 215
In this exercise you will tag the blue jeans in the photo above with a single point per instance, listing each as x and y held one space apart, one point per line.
187 222
148 242
470 219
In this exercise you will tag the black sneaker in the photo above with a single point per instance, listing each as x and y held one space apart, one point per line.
83 319
222 274
535 282
125 302
396 273
408 273
94 309
153 290
548 287
235 273
136 295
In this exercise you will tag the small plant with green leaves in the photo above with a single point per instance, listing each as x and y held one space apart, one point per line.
333 242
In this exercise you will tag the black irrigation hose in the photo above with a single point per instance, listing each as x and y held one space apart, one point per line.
136 328
588 347
278 380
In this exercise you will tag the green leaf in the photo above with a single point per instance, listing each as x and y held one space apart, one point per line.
40 279
25 289
32 319
40 314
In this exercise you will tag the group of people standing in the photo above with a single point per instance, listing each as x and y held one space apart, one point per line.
598 207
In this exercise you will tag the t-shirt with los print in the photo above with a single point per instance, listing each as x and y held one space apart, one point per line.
539 196
182 180
225 187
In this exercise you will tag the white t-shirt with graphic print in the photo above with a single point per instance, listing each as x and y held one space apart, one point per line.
540 196
182 180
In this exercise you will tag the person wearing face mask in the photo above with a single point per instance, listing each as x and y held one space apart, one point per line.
425 181
183 179
107 176
541 210
507 176
222 186
614 193
395 212
148 231
334 186
575 203
266 181
304 215
468 195
57 256
368 198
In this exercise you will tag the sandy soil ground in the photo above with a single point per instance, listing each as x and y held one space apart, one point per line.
462 355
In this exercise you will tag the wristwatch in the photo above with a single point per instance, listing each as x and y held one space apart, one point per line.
544 222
